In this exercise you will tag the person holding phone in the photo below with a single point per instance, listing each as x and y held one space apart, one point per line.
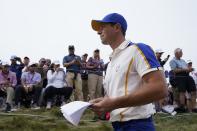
159 54
56 84
17 67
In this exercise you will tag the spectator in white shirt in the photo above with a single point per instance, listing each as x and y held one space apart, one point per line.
56 84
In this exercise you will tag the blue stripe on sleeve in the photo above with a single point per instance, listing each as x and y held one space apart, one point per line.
149 55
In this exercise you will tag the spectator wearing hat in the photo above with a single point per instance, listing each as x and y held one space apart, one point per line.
56 84
17 68
72 63
31 88
84 76
95 66
8 82
134 78
183 81
159 54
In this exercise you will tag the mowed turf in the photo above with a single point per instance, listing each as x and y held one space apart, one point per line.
52 120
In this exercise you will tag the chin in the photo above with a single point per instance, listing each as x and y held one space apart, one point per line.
104 43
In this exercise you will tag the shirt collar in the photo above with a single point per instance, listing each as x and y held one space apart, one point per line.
121 47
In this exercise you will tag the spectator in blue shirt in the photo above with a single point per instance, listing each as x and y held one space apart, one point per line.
72 63
95 66
183 81
30 89
17 68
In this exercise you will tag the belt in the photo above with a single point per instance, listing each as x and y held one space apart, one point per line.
131 121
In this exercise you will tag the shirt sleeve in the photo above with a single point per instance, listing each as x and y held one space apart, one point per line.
64 60
173 65
145 60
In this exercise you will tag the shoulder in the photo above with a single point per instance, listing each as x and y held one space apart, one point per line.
144 50
183 61
25 73
49 71
37 74
144 54
143 47
65 57
173 60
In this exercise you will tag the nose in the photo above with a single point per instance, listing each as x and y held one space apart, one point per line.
99 32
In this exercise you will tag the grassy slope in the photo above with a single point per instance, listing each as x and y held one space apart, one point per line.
53 120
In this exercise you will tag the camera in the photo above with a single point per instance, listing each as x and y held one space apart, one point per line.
17 58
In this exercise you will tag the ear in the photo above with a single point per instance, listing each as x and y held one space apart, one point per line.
117 27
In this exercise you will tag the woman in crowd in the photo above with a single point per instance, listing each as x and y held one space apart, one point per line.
56 84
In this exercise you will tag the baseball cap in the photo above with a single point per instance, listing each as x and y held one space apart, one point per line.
110 18
189 61
159 51
13 57
56 62
5 63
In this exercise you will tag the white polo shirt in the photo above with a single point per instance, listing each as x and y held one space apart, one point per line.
129 63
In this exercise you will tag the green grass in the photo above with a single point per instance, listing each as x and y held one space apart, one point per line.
52 120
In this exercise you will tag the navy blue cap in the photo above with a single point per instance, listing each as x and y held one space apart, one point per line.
110 18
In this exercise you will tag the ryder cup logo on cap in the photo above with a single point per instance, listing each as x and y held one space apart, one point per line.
110 18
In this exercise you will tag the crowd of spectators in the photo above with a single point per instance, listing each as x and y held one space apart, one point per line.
44 83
